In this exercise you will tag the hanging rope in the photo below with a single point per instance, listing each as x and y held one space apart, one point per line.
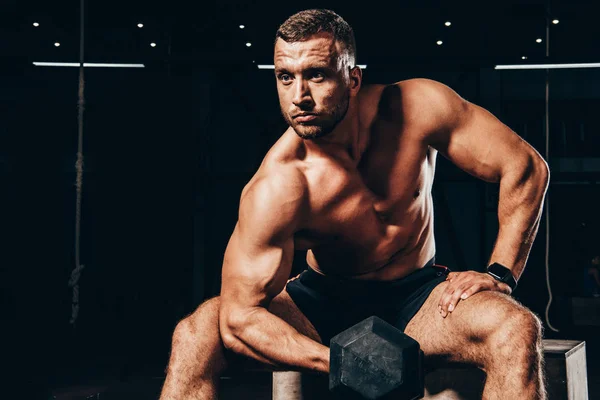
76 273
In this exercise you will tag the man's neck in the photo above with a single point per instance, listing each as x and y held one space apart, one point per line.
345 138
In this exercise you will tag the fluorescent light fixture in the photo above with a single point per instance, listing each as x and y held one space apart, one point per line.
152 44
549 66
89 65
538 40
140 25
448 23
555 22
242 26
36 24
248 44
439 42
267 66
57 44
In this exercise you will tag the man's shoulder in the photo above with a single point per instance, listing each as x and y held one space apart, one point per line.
421 103
283 154
414 91
275 200
277 175
275 187
281 165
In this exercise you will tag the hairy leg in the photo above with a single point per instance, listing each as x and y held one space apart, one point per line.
198 357
490 330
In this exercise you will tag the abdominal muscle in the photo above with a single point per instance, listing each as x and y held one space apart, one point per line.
393 255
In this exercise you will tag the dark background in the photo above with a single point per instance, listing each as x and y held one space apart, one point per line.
168 149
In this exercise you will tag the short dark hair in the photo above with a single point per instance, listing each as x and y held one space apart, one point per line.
304 24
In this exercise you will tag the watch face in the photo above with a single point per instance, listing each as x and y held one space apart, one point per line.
502 274
498 270
495 275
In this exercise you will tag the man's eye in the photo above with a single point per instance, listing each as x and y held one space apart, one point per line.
284 77
319 76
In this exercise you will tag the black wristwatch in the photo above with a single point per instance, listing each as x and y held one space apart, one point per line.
502 274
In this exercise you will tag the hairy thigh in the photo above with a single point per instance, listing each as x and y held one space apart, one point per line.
462 335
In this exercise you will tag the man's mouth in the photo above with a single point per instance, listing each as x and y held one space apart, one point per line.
304 117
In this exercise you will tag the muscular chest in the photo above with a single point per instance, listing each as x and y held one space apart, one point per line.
396 174
378 200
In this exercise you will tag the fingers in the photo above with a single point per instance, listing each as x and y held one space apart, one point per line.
456 296
451 297
452 275
470 291
461 286
457 283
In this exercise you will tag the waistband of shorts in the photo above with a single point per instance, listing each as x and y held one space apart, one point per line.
326 282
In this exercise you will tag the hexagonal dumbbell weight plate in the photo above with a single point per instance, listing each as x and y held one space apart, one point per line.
375 360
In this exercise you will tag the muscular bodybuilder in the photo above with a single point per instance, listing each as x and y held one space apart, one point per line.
350 182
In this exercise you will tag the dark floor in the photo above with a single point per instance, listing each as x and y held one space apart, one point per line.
111 378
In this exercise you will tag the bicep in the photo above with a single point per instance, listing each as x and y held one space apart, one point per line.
254 272
258 258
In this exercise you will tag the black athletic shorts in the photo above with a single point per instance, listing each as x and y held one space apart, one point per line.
333 304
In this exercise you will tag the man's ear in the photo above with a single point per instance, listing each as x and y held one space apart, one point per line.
355 79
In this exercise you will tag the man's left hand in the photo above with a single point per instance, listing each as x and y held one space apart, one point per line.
462 285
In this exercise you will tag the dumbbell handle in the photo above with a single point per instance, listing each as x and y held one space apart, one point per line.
292 385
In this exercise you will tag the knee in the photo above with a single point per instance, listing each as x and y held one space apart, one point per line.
196 345
518 336
182 334
199 326
524 328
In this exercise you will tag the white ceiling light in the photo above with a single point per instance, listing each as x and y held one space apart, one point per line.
140 25
555 22
152 44
248 44
448 23
36 24
242 26
524 58
549 66
57 44
538 40
89 65
439 42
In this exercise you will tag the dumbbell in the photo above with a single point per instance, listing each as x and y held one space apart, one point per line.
375 360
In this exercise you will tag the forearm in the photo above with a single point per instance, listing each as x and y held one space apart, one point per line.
267 338
522 194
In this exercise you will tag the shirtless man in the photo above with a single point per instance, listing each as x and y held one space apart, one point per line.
350 182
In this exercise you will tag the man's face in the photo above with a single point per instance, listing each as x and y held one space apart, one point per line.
312 84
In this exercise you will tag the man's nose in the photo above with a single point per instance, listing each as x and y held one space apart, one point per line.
301 93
